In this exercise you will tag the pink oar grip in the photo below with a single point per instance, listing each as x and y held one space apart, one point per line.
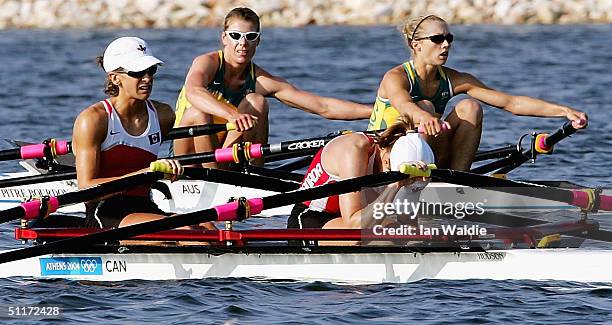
224 155
227 212
605 203
257 205
421 129
581 199
61 147
33 151
32 208
255 151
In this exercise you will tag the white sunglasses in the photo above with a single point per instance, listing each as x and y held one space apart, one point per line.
236 35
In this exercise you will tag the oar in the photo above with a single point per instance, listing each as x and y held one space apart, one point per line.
587 199
245 151
197 130
241 179
53 148
35 179
543 143
224 212
238 153
31 209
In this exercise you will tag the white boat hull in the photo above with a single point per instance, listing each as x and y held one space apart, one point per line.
529 264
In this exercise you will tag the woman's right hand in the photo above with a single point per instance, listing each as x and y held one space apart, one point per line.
407 181
431 125
243 122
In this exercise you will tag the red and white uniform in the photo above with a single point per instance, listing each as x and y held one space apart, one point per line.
123 153
317 176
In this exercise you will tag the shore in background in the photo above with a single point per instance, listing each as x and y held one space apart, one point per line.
293 13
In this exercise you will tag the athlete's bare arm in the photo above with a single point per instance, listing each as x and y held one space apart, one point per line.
88 134
331 108
517 105
396 87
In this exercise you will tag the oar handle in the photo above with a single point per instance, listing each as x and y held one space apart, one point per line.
197 130
415 171
544 142
32 208
52 148
590 200
158 166
606 202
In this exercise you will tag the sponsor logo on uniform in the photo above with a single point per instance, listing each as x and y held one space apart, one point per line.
313 176
70 266
154 138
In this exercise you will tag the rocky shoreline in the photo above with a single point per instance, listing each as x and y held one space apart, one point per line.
293 13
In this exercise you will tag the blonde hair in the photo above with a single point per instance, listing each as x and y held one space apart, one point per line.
411 28
402 126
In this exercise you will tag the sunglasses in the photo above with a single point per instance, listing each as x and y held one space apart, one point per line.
236 35
140 74
438 38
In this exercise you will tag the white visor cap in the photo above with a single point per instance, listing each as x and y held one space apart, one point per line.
410 148
129 53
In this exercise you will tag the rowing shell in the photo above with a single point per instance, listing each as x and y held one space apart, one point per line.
332 264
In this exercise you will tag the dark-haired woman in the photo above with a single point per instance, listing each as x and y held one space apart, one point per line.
422 87
122 134
226 85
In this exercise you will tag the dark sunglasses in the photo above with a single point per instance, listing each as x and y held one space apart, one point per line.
438 38
249 36
140 74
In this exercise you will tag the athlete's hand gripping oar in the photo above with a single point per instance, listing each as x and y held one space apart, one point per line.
32 209
225 212
587 199
52 148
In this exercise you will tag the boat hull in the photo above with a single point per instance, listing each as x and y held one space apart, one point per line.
359 266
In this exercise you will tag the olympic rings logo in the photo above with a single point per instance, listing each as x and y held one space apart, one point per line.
89 266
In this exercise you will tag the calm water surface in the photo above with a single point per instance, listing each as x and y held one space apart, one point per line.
47 77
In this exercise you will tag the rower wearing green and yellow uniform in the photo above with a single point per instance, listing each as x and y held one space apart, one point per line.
226 86
222 93
422 87
384 114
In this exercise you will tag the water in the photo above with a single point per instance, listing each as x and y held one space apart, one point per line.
48 77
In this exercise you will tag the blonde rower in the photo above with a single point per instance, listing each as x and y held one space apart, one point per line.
422 87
